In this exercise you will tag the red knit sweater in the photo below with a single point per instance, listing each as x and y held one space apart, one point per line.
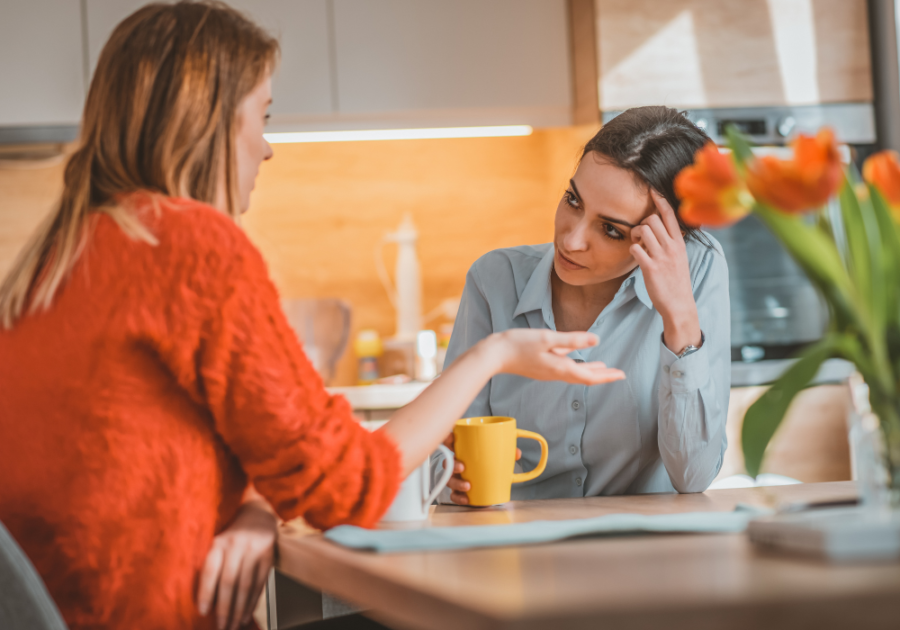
134 411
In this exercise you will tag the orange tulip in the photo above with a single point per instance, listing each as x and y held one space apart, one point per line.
710 190
805 182
882 170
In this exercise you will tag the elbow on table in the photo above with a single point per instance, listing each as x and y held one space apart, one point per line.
691 472
693 480
691 486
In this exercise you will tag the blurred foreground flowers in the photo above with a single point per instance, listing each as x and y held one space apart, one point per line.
850 251
711 191
807 181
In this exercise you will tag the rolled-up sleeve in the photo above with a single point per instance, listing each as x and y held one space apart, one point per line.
694 390
235 354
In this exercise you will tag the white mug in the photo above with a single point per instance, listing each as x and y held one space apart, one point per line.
413 500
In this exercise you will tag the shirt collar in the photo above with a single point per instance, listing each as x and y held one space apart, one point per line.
640 288
536 296
537 289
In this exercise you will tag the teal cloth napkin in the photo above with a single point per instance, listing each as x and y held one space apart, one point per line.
444 538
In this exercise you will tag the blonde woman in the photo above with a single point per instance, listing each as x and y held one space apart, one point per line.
148 376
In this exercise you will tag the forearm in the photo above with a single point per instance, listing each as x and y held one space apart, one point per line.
692 452
692 410
251 495
424 422
540 354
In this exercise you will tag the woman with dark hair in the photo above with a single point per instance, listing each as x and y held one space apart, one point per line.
624 266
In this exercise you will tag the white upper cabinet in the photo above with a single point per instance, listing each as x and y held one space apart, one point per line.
102 17
302 84
503 61
344 63
41 63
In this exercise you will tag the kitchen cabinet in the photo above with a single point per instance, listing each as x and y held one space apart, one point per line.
345 64
303 83
732 53
461 62
41 69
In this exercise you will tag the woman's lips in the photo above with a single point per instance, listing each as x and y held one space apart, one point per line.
567 263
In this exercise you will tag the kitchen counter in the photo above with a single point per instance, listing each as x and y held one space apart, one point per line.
766 372
375 402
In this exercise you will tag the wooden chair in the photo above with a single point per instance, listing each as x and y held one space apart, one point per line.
811 444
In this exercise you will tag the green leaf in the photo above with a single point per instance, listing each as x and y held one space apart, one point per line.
765 415
890 256
809 245
739 146
815 252
859 260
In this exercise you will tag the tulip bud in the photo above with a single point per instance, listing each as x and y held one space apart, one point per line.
712 193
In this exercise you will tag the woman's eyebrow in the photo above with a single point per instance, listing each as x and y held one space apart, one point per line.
605 218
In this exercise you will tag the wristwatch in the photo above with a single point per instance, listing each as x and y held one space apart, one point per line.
691 349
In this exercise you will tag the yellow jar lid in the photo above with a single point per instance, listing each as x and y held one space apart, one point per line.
368 343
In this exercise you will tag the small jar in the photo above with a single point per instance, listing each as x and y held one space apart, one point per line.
368 348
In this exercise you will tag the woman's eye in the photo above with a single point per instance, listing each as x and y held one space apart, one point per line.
612 232
266 119
571 199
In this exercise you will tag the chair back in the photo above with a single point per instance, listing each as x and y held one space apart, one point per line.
25 603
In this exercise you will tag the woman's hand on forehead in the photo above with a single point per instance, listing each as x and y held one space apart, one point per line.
658 247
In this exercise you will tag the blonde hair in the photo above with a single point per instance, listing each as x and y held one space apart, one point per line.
160 117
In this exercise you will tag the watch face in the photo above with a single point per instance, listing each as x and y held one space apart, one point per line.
689 349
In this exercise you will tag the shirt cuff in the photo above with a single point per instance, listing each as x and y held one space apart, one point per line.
683 375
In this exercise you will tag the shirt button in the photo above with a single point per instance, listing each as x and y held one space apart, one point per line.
677 373
576 405
577 481
573 449
666 369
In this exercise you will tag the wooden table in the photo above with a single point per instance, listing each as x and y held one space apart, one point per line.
695 582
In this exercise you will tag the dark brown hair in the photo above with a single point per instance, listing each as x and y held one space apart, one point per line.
653 144
160 116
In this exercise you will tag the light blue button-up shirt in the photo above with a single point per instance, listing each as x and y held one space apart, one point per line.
660 430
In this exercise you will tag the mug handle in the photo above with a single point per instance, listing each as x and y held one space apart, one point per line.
445 478
541 465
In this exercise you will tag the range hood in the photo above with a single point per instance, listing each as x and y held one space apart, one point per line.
54 134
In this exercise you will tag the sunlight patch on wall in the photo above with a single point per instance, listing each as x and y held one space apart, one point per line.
794 31
664 69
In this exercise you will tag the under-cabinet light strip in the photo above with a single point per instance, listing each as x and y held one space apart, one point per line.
399 134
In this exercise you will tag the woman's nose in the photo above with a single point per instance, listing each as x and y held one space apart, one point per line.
576 239
268 153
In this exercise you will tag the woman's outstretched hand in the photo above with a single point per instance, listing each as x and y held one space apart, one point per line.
237 566
536 354
541 355
660 250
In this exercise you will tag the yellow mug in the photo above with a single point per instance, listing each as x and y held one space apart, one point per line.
487 447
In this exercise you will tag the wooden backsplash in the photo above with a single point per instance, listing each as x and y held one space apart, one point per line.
320 210
732 53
